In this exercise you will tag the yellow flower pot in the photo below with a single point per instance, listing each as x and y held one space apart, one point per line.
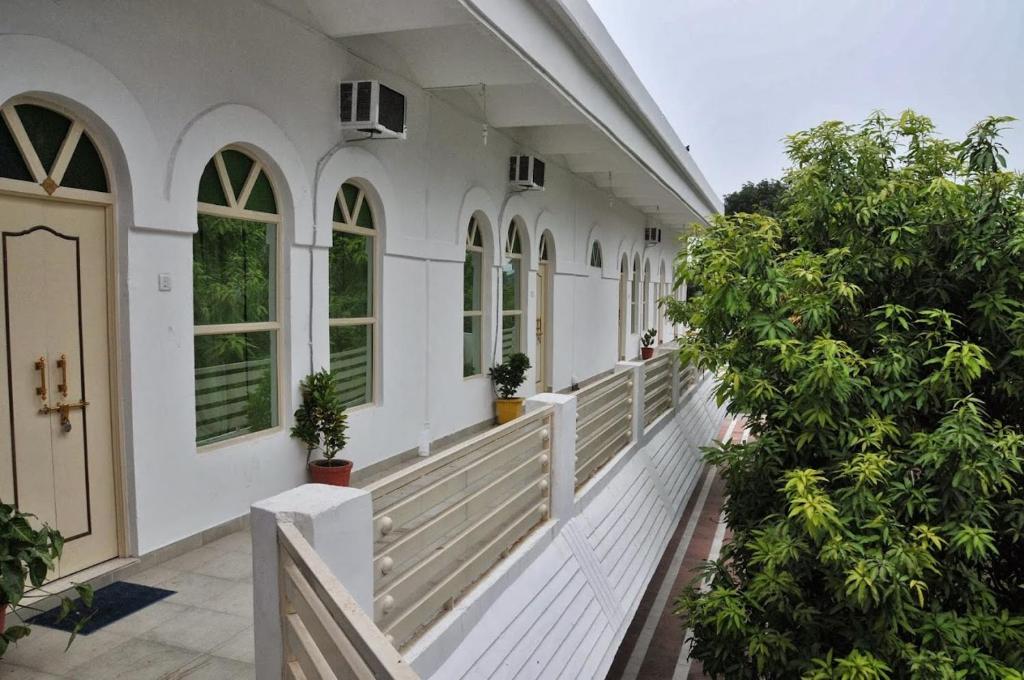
508 409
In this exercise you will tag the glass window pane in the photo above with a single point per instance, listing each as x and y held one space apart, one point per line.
210 189
46 130
236 385
365 216
511 341
471 274
352 363
349 192
471 345
351 276
85 169
11 163
261 198
238 166
510 287
233 266
338 216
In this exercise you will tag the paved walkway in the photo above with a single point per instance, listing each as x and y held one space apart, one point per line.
202 632
655 646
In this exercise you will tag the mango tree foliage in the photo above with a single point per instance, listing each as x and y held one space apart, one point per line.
873 331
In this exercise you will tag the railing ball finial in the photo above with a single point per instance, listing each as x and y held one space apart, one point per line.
386 565
386 525
387 604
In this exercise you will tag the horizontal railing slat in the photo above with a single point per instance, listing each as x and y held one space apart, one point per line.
373 648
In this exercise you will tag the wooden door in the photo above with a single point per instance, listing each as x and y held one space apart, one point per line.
56 434
543 282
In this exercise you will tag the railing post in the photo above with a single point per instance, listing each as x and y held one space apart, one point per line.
562 465
638 395
338 523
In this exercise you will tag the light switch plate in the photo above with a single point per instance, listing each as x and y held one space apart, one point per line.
163 282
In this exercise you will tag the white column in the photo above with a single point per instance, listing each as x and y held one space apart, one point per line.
338 523
563 451
638 395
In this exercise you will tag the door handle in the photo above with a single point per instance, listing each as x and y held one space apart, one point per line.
41 390
62 364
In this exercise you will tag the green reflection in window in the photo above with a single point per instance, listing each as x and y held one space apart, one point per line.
510 286
471 275
233 265
351 276
511 341
471 345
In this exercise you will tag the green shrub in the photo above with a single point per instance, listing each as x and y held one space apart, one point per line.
320 420
509 375
873 331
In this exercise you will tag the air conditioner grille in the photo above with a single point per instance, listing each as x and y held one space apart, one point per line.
347 90
538 172
363 100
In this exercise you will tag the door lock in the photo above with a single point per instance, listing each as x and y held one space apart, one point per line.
64 409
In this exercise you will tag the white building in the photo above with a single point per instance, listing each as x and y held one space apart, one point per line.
187 233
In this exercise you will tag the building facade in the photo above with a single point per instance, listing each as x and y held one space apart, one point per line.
187 233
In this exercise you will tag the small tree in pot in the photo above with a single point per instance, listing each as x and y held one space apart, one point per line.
320 423
28 554
507 377
647 343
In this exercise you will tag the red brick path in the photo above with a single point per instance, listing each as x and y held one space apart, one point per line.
662 656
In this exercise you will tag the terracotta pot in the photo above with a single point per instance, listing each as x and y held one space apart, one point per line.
335 472
508 409
646 353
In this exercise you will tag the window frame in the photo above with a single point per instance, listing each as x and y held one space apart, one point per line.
373 321
475 228
276 327
633 297
514 236
596 254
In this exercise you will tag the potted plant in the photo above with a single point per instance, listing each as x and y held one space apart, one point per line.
320 423
647 343
507 377
28 554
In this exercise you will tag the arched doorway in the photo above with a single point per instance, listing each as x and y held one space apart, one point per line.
57 418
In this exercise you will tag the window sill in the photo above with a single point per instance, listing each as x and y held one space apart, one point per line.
245 438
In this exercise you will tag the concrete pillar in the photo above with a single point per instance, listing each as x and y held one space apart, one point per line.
638 395
338 523
563 451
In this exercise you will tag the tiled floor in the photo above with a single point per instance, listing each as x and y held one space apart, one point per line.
203 631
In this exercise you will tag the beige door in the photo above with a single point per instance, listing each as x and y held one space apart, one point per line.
56 435
543 282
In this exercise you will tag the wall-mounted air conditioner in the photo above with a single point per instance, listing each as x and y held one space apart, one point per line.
652 235
526 173
368 107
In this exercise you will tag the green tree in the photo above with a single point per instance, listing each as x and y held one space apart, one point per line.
873 331
763 197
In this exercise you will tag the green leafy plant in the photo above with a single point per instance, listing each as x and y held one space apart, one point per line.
648 338
320 421
510 374
763 197
873 332
26 556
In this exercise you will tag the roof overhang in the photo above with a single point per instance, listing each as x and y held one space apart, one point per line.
544 72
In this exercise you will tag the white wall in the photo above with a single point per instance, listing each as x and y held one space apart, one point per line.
163 86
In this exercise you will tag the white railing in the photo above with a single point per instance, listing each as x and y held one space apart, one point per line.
441 524
326 635
657 387
604 423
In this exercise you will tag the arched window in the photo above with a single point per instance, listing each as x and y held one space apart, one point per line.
595 255
235 300
512 293
472 301
646 297
44 147
352 295
634 319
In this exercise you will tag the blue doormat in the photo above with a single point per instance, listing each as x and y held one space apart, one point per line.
110 603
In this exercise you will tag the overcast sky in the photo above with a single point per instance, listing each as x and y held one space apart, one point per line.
736 76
